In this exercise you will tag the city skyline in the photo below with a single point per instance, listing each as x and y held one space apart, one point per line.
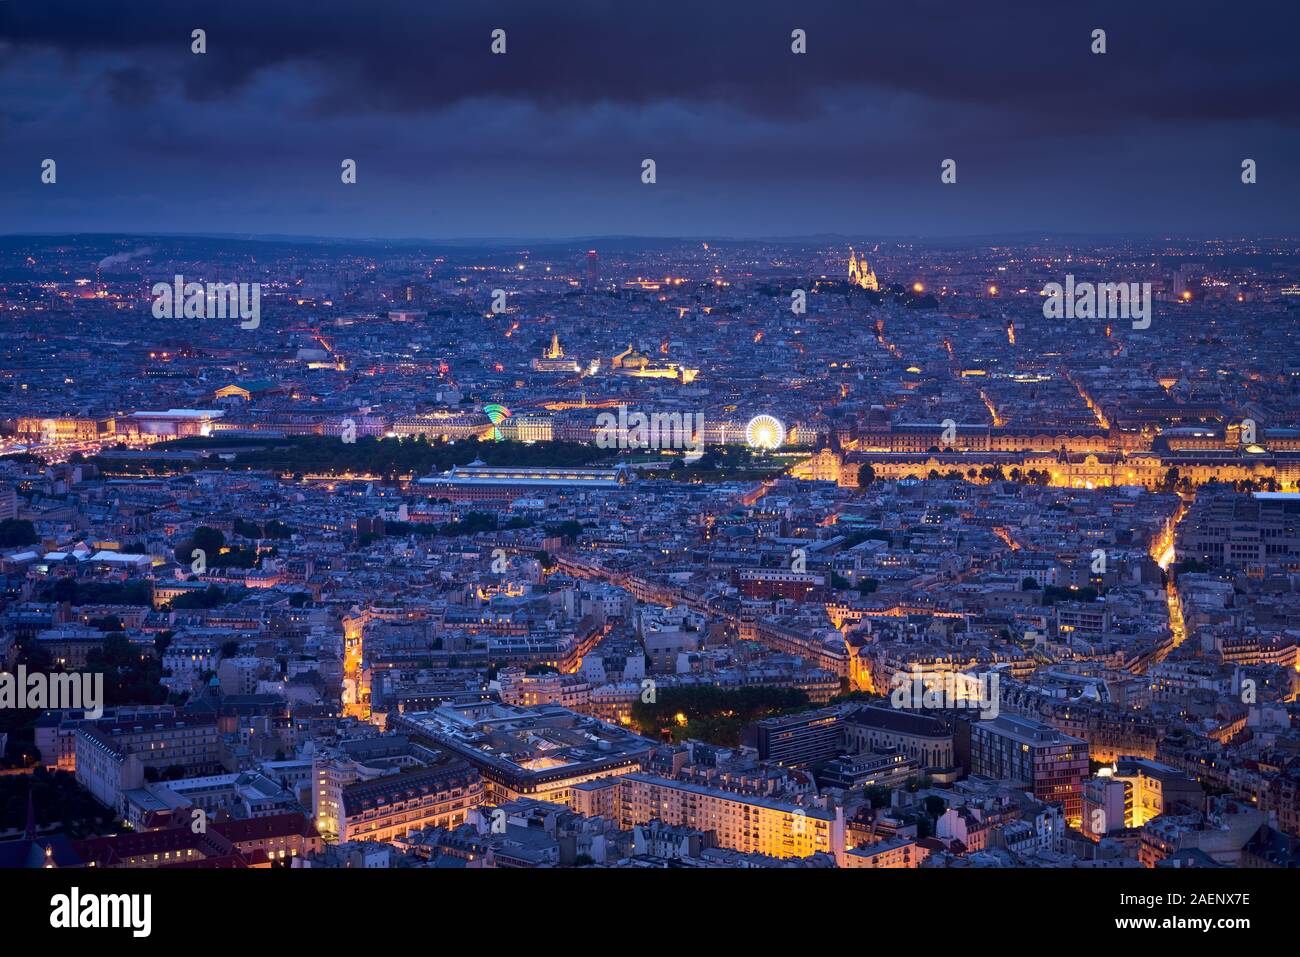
632 444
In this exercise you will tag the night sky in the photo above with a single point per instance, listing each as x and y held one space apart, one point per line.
750 139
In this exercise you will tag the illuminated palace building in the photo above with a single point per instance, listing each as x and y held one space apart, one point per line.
1074 469
444 426
1077 458
881 435
926 436
64 428
1138 451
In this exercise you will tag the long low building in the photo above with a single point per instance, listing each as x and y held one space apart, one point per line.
1069 469
924 436
478 482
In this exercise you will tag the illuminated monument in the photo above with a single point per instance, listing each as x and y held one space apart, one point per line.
633 362
860 274
554 360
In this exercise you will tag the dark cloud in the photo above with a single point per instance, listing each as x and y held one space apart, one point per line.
131 86
548 140
1202 61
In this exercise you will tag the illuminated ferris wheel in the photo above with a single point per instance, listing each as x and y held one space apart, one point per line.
765 432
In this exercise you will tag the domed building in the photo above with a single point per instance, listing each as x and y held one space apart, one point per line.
861 274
